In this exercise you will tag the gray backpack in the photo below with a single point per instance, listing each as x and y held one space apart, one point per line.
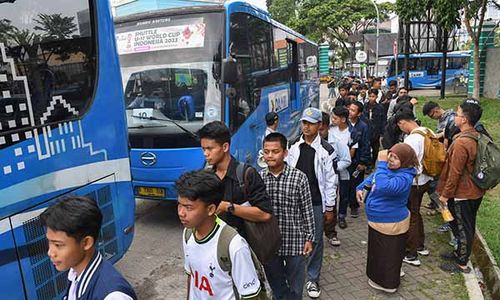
224 260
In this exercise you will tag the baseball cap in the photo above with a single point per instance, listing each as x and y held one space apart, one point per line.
311 115
271 117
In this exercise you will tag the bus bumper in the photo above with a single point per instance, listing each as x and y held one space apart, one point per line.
154 171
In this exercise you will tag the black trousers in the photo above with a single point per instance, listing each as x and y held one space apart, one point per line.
464 226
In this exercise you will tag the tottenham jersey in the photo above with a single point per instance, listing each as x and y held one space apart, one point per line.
208 280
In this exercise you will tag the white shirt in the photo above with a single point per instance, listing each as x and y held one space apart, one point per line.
416 141
72 276
268 131
342 135
208 280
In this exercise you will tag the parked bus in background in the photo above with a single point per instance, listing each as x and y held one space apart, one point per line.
62 132
425 68
173 60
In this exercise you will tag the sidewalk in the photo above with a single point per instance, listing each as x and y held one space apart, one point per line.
343 275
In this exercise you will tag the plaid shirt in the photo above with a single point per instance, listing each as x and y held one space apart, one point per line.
292 204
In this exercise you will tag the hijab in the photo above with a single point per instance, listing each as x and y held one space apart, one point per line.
406 155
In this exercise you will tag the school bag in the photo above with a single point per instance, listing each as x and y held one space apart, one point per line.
263 237
486 172
224 259
434 153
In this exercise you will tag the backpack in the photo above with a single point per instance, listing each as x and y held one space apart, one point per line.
224 259
486 172
434 153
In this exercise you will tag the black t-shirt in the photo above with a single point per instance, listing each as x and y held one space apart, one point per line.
306 165
256 193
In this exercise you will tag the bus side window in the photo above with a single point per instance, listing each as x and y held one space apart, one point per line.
249 36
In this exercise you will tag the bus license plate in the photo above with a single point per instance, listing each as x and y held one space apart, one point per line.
151 191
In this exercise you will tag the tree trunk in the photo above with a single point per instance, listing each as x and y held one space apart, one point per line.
477 69
443 64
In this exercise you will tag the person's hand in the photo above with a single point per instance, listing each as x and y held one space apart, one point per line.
361 167
328 217
413 101
308 248
222 208
359 197
443 200
382 155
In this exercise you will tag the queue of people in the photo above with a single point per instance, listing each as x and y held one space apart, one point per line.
299 198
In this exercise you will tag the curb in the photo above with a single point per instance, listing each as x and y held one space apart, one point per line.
487 264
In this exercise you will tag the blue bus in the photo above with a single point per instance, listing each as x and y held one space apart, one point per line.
62 132
173 60
425 68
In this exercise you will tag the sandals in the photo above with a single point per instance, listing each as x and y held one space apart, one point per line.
454 268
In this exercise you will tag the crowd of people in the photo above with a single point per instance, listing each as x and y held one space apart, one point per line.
368 150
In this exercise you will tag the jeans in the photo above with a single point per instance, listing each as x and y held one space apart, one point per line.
286 276
316 259
344 187
416 235
464 226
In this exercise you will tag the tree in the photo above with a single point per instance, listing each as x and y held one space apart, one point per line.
474 12
55 26
333 21
283 11
447 16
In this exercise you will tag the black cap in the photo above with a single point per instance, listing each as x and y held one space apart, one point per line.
271 117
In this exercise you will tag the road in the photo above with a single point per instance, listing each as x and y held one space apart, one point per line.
154 262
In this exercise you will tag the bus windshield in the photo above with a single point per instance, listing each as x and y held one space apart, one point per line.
170 69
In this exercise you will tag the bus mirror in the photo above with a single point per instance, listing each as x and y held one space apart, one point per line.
231 93
229 71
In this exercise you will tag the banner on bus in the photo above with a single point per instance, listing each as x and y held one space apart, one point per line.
162 38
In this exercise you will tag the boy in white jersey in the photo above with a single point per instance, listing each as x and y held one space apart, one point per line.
200 192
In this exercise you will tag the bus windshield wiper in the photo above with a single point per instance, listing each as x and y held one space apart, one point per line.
190 133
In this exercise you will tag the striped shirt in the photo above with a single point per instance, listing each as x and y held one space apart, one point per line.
292 204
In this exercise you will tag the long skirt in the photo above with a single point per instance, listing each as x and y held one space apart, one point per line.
385 257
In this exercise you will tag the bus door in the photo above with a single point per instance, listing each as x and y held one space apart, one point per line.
9 264
293 68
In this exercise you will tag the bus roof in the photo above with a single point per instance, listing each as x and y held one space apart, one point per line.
145 9
466 53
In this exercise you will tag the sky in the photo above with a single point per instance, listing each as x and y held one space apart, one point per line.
258 3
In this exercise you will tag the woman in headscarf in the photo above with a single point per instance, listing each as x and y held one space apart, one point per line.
385 193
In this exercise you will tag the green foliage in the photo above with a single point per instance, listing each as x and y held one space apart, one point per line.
408 10
283 11
329 20
447 13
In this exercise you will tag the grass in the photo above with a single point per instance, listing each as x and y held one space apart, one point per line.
488 219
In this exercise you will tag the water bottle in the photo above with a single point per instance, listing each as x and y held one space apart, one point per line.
355 174
445 212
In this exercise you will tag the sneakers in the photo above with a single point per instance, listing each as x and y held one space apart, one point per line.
342 223
313 290
334 241
412 260
380 288
423 251
444 228
354 213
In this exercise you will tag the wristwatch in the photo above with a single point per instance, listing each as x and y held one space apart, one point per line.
230 208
